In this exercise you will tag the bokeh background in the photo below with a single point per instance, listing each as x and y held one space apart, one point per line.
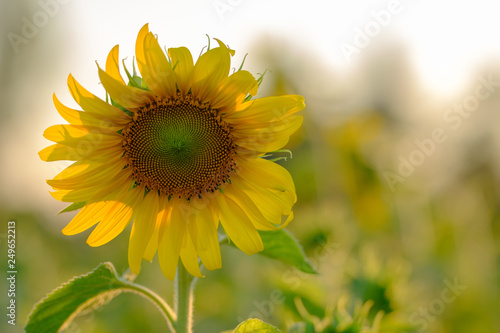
396 166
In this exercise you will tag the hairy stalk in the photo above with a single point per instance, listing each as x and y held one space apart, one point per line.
184 297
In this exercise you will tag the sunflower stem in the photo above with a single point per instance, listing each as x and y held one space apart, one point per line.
184 296
165 309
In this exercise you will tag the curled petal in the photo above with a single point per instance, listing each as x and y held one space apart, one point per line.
112 65
153 64
126 96
232 91
210 69
182 63
93 104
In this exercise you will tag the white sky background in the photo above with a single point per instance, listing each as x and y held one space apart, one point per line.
447 39
447 42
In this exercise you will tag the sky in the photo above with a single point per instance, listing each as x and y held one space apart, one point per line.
447 43
447 39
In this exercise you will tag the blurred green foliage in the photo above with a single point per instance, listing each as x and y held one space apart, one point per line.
422 257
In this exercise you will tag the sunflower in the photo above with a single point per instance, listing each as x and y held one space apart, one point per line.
174 152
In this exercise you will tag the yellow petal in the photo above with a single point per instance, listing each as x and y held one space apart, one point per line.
93 104
233 90
80 195
95 176
268 185
192 229
76 117
59 152
266 173
171 236
93 193
189 257
152 247
87 165
128 97
210 69
142 230
164 211
156 71
59 133
271 188
258 219
112 65
110 227
182 63
116 220
83 137
77 168
206 238
87 217
272 204
238 226
267 109
266 137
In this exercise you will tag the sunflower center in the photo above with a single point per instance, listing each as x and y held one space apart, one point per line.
179 147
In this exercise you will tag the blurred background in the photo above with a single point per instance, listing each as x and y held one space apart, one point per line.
397 165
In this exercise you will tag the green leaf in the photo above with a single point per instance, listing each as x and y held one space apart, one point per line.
57 310
255 326
81 294
73 206
282 246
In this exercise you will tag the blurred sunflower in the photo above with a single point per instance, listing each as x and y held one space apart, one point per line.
176 151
